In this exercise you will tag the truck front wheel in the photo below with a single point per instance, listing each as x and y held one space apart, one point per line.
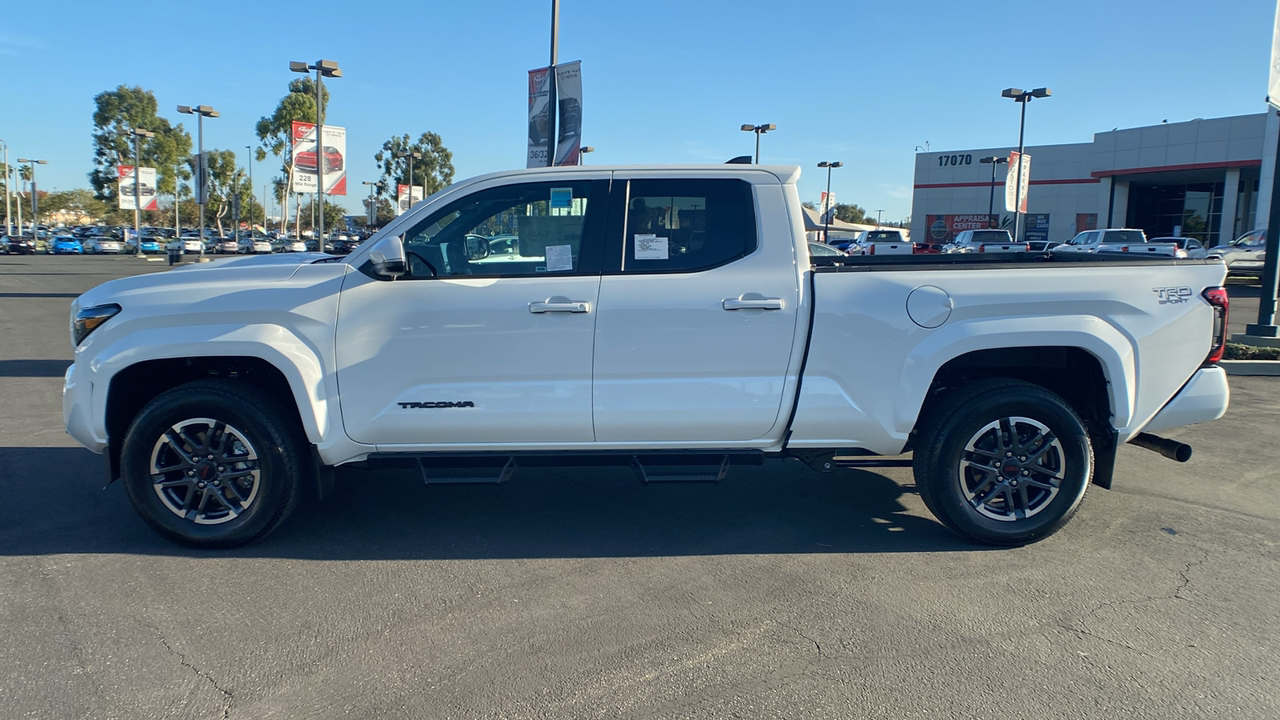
1003 462
212 464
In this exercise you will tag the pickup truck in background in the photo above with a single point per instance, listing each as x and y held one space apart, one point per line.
1091 241
984 241
669 319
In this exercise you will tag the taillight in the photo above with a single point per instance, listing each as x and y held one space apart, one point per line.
871 250
1124 249
982 248
1217 298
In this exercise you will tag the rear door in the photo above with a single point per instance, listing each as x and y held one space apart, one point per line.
469 350
698 312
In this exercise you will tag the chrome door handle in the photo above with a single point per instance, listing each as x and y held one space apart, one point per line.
559 303
752 301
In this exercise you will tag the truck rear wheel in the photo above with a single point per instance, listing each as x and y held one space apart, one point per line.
1004 462
213 464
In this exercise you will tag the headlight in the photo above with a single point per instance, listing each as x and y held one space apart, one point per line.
86 320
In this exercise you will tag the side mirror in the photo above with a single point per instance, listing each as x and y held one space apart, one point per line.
387 259
477 247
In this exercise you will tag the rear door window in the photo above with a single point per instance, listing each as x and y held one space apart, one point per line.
682 226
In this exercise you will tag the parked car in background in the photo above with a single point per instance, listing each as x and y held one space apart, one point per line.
1185 247
984 241
1090 241
294 245
21 245
226 246
346 244
820 250
185 245
1244 255
66 245
254 245
150 246
102 244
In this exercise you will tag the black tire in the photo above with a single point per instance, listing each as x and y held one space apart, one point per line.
248 481
1003 462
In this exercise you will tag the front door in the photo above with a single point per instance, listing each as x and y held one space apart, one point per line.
488 339
697 317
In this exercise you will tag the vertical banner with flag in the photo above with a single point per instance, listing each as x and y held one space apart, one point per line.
539 117
569 121
146 179
1012 181
826 205
405 199
307 158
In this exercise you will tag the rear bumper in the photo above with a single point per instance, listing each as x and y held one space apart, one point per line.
1205 397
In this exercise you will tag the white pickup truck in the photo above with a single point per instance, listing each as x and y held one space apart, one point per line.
667 318
984 241
1108 240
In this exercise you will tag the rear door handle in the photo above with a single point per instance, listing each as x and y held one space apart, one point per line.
752 301
559 303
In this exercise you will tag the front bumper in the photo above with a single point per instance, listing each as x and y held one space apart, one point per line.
1205 397
77 399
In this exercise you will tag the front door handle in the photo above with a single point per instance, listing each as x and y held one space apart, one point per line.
752 301
559 303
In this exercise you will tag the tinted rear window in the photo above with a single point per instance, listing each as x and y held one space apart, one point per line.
884 236
1123 236
990 236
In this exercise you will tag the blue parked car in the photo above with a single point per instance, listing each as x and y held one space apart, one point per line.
66 245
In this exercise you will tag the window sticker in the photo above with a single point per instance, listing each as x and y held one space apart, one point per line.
562 198
651 247
559 258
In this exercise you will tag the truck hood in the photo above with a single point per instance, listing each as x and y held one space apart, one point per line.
229 274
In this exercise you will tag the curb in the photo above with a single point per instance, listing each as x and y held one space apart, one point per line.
1255 368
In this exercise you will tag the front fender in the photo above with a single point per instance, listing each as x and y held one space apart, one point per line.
292 355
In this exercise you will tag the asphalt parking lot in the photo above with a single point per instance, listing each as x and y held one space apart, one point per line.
779 592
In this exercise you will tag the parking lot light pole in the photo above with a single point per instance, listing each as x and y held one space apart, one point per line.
993 161
137 190
35 200
202 193
250 164
324 69
411 154
1024 98
826 216
758 130
8 209
584 151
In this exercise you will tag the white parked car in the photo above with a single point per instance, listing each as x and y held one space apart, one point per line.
254 246
984 241
1245 255
185 245
227 246
98 245
1090 241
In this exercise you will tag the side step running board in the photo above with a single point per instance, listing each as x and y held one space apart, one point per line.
466 473
667 469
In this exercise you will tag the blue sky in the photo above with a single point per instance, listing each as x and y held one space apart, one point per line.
664 80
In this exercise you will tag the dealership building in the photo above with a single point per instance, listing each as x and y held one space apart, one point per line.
1201 179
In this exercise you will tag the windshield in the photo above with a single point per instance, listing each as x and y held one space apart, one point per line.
1084 238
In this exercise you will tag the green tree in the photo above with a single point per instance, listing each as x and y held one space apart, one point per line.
851 214
79 201
334 215
432 171
275 131
117 113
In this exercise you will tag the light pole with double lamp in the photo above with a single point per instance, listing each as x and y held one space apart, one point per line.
584 151
1024 98
324 69
373 202
35 199
8 223
993 161
202 191
137 189
250 164
412 155
830 208
758 130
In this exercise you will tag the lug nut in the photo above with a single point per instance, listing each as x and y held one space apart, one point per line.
1023 458
1026 472
1014 483
199 484
191 473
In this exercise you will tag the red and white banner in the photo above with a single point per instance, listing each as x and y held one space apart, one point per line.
145 187
826 204
404 199
1010 188
539 117
569 120
307 161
